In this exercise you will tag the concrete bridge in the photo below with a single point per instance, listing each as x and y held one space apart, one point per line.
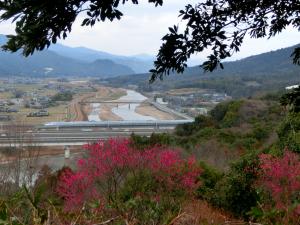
110 102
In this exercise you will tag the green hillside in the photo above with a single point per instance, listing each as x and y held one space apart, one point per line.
261 73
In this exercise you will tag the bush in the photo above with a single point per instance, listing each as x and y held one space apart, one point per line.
236 191
142 197
142 142
231 117
279 178
226 113
62 96
122 178
218 113
289 132
209 178
189 129
227 137
259 132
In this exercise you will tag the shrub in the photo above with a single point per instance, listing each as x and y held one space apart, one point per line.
62 96
236 191
142 142
142 197
218 113
209 178
200 123
231 117
289 132
279 177
110 168
260 132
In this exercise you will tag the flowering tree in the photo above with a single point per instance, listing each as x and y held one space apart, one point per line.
101 174
280 177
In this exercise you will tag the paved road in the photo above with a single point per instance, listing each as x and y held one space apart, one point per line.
170 111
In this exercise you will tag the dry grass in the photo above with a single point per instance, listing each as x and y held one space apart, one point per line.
57 113
185 91
80 112
199 212
216 154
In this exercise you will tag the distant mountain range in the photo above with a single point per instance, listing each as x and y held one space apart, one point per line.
243 77
60 60
139 63
273 62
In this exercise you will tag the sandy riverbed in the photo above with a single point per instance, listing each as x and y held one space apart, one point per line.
107 114
148 110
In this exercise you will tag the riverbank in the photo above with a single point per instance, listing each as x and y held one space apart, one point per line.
127 111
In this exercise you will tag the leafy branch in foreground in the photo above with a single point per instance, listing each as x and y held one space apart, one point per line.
216 25
221 26
40 23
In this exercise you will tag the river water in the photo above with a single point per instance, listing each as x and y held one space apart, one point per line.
124 111
94 115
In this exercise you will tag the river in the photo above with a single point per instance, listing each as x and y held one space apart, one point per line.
124 111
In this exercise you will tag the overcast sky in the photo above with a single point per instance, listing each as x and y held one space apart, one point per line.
143 26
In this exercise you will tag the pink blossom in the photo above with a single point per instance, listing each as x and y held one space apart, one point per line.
281 177
109 163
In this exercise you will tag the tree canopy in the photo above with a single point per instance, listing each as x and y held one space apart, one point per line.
217 25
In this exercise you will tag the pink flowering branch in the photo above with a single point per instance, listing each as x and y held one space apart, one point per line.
101 174
281 178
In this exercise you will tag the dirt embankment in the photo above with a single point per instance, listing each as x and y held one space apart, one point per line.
147 110
81 111
107 114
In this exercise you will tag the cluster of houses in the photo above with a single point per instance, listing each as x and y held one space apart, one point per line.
193 104
8 107
39 113
38 102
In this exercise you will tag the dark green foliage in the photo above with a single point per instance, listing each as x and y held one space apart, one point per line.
201 122
248 143
226 113
227 137
144 200
206 133
289 132
235 125
142 142
63 96
260 132
218 113
231 117
292 100
236 192
40 23
209 178
221 26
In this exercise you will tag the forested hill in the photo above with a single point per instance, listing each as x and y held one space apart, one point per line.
241 78
50 63
274 62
